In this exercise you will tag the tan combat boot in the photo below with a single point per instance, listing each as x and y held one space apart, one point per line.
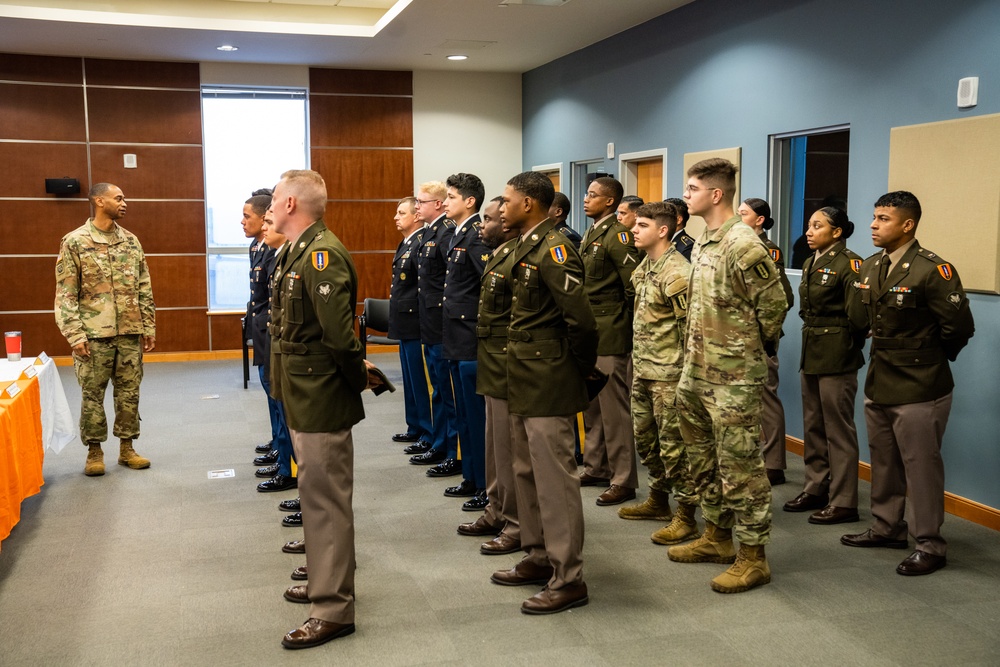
94 467
749 570
129 458
715 546
682 528
655 507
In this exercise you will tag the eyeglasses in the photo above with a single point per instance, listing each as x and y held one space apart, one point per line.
421 202
694 188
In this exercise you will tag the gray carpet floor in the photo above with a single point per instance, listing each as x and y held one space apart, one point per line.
168 567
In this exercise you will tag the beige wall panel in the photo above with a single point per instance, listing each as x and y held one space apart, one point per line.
696 225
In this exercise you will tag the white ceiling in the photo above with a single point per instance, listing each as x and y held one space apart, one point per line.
497 35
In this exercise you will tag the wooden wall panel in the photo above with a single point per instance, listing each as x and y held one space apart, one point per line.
42 113
226 332
24 167
361 82
181 330
144 116
164 172
363 225
33 282
179 280
365 174
48 222
102 72
39 333
167 226
374 274
42 69
361 121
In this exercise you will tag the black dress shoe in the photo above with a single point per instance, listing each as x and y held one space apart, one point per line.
278 483
921 562
775 476
429 457
463 490
314 632
268 472
263 449
449 468
292 520
830 515
804 502
419 447
405 437
869 538
478 503
267 459
290 505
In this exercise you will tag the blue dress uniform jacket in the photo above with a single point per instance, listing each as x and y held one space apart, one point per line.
467 255
494 317
609 257
920 319
257 318
432 263
570 233
684 243
553 333
317 363
404 305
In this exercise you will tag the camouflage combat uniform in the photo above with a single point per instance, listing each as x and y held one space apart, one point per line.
736 304
104 296
657 361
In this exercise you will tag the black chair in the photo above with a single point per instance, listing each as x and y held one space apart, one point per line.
375 316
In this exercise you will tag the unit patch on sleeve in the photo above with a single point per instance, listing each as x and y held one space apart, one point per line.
558 253
945 271
320 259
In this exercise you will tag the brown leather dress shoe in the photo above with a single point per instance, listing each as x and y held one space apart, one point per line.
300 573
294 547
314 632
478 528
298 594
870 538
523 574
590 480
499 545
805 502
615 495
830 514
921 562
551 601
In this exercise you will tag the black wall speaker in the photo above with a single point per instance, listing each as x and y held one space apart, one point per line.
62 186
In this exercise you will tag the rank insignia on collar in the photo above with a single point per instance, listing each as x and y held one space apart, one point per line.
856 265
534 237
945 271
558 253
485 257
775 254
320 259
623 237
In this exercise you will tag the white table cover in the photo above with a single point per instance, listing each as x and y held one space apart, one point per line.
58 425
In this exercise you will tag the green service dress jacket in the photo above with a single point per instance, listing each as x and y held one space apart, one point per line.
919 319
609 258
831 345
317 363
495 299
552 341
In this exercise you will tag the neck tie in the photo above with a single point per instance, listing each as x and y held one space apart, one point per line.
883 271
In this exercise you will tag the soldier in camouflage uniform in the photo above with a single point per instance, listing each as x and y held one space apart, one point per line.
661 287
736 307
104 307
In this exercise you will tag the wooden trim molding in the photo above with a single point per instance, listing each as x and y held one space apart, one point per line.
963 508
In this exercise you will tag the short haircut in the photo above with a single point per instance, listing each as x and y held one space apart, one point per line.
612 187
468 185
497 200
762 208
717 172
633 201
99 190
435 189
259 201
309 188
662 213
838 218
904 200
410 201
682 209
536 185
562 201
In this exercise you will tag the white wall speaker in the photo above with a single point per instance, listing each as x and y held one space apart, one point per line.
968 92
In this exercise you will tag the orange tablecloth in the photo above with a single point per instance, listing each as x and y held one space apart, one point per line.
21 451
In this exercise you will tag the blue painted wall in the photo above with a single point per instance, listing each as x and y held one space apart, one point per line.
717 74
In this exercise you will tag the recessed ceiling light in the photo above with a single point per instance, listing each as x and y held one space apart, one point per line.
227 47
458 57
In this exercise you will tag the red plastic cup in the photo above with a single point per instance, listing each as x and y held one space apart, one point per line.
12 339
